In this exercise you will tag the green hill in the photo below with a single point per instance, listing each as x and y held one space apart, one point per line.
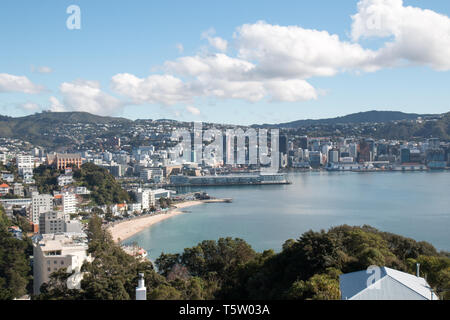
37 128
360 117
439 128
103 186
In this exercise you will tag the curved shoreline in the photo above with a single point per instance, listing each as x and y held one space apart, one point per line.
126 229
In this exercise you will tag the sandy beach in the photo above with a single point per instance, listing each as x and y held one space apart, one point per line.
126 229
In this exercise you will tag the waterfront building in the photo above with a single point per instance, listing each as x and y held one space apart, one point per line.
163 193
382 149
365 153
230 179
303 142
344 166
415 156
436 158
346 160
55 251
333 156
315 159
353 150
146 197
283 144
405 155
135 207
434 143
409 167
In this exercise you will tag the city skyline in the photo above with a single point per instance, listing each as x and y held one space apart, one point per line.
234 63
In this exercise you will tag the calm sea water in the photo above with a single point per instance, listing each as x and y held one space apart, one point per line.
414 204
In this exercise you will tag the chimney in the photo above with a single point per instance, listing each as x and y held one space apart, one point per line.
141 290
418 269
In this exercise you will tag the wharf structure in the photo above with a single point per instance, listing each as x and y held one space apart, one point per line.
230 179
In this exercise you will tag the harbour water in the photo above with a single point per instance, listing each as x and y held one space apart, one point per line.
412 204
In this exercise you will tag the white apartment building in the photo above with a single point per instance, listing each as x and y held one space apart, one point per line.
135 207
65 179
56 251
40 203
146 197
160 193
25 164
81 190
69 202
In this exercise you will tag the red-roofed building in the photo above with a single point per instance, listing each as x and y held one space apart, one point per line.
4 189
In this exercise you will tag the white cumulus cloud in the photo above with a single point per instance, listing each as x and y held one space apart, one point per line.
13 83
274 62
82 95
420 36
215 42
164 89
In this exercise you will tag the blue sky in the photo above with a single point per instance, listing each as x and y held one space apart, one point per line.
138 37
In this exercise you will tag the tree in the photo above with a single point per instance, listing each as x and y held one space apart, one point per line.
105 190
56 287
318 287
15 268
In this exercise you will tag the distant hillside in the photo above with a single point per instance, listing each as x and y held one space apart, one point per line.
36 127
60 117
438 128
59 130
360 117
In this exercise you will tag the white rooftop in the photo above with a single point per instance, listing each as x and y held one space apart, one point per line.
391 285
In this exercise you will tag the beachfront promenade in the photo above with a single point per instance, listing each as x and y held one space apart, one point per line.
123 230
